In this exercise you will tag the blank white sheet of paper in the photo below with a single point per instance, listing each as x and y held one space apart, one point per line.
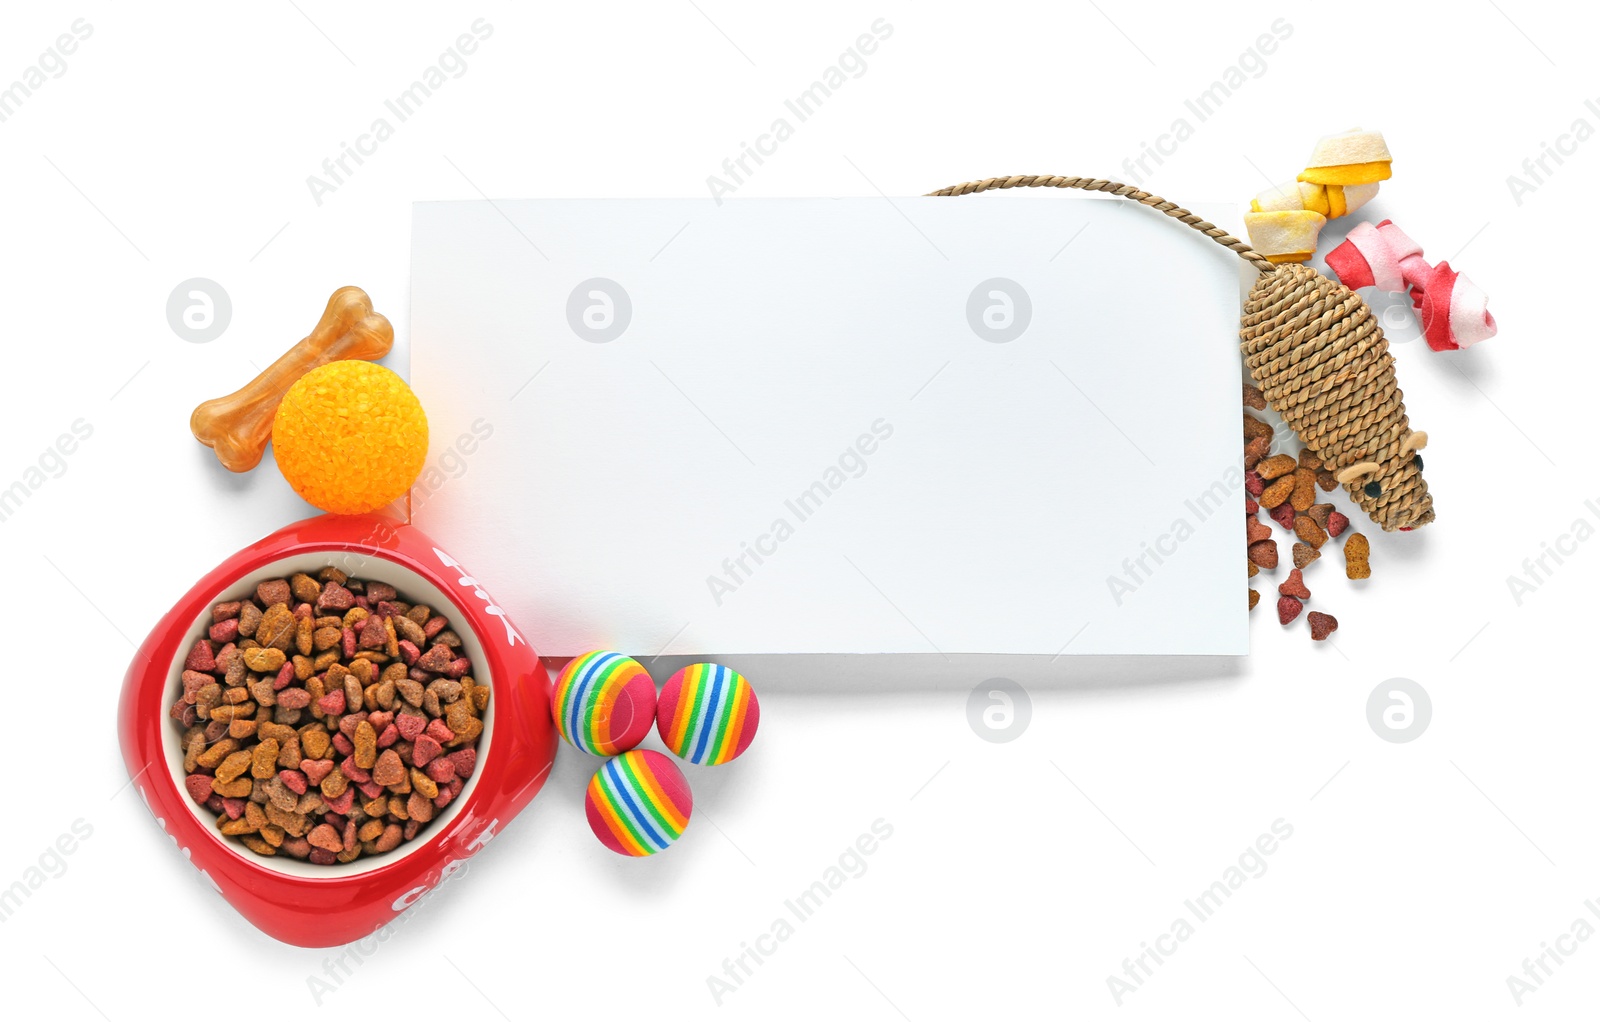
991 424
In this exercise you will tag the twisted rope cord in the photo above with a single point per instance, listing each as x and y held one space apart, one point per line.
1095 184
1315 350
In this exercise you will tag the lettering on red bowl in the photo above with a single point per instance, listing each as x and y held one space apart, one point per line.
468 582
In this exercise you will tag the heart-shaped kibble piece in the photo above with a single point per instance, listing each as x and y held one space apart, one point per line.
316 769
1288 609
410 725
1304 554
200 658
335 597
325 837
373 635
436 659
1264 553
425 750
388 769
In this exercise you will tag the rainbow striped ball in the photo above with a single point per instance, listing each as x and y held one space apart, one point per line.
707 713
638 803
604 702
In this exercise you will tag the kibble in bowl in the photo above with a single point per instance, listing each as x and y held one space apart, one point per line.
320 903
324 717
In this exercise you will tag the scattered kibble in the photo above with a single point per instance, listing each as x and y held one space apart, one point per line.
1254 427
1276 466
1310 532
325 718
1357 555
1286 485
1303 554
1277 491
1294 585
1288 609
1255 450
1305 489
1264 553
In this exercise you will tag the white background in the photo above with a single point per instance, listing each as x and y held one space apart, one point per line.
1019 874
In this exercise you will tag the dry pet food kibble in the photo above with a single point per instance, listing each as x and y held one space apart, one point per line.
1357 551
1264 553
1255 450
1288 609
1277 491
1294 585
1304 554
1310 532
1305 489
1275 466
327 718
1254 427
1322 625
1286 486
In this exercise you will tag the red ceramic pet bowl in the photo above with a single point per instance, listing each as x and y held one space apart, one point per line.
300 902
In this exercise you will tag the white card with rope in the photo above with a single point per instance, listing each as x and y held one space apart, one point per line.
988 424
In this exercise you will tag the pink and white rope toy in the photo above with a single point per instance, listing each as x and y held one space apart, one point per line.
1452 309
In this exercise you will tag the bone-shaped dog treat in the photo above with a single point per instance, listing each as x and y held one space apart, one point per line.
237 427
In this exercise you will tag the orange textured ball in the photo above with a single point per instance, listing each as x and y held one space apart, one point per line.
350 437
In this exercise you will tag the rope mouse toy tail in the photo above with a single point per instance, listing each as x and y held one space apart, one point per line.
1319 356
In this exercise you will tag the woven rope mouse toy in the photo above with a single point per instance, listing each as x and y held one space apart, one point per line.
1312 346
